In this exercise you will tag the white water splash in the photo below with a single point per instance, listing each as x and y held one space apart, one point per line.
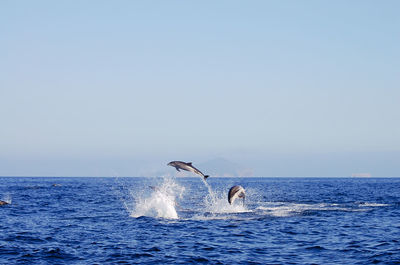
372 204
7 198
160 202
285 209
217 203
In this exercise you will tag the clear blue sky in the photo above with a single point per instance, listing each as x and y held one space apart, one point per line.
118 87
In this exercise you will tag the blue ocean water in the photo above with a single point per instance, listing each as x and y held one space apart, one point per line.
183 221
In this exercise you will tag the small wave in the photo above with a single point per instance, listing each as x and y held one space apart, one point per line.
210 216
372 204
141 255
315 248
278 211
200 260
282 209
153 249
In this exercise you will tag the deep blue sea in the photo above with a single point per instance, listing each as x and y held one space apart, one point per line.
184 221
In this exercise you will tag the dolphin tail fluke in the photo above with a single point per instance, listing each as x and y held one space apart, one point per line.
206 176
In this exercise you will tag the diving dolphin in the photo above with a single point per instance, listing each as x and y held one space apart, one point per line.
186 166
236 192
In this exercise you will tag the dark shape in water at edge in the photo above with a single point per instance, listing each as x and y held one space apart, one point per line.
3 203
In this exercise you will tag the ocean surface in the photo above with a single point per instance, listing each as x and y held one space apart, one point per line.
169 220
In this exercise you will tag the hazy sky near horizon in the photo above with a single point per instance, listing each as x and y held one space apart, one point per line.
89 84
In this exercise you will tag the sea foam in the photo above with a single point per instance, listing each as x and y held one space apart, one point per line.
160 201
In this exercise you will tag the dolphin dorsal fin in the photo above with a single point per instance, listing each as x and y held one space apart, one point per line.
190 163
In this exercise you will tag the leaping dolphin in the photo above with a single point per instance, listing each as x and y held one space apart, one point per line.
186 166
236 192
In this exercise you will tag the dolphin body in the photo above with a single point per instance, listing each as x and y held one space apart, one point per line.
3 203
236 192
186 166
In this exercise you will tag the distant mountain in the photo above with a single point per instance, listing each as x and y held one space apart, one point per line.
222 167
